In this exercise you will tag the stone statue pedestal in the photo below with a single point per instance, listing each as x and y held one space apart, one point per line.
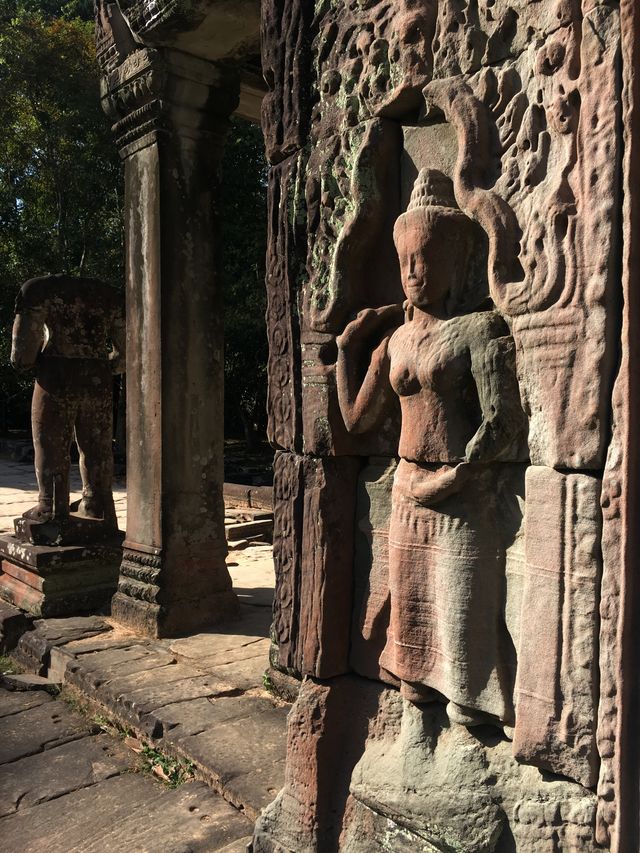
48 579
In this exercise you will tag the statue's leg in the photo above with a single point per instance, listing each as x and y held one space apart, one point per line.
94 428
52 419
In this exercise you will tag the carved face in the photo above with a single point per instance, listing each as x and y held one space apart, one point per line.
410 46
422 285
434 246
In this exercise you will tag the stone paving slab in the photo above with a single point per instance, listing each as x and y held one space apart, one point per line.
245 755
19 491
33 650
82 795
44 726
61 770
14 702
125 814
202 697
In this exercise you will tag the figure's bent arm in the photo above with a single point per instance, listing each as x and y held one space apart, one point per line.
27 339
364 401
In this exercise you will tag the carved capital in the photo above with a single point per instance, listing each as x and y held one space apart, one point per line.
165 91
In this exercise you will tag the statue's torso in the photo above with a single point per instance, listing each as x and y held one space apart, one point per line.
77 315
431 373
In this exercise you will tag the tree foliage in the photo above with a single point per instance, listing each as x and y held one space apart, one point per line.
61 188
244 233
60 175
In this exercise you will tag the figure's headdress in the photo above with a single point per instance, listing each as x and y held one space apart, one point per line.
432 189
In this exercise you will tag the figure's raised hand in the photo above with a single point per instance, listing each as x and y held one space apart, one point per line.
371 322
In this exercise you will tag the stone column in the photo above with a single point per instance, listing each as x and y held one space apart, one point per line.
171 113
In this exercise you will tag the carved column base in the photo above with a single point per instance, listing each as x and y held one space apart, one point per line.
143 602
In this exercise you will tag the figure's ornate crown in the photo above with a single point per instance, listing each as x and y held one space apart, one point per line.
432 189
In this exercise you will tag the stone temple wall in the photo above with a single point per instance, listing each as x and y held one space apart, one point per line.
447 315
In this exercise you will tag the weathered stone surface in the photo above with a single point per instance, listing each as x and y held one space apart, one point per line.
255 649
253 625
245 756
554 202
60 770
34 647
98 668
181 720
55 581
437 784
12 702
29 682
313 554
462 789
326 729
83 795
286 44
286 250
171 113
557 682
352 200
618 795
189 817
244 673
13 624
522 111
371 569
452 367
42 727
368 60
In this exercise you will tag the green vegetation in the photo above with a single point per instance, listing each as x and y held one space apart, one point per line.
172 771
60 175
61 197
244 234
8 666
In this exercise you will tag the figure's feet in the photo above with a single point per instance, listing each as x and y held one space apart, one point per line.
93 507
42 511
466 716
89 507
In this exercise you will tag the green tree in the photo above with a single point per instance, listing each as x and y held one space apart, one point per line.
60 175
61 190
244 233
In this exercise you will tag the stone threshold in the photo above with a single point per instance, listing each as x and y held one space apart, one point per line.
201 698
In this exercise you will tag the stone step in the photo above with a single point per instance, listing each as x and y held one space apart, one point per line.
202 697
250 529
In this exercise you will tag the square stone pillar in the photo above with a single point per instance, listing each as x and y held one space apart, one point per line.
172 113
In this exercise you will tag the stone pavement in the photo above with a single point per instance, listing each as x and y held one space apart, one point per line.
19 491
66 786
207 698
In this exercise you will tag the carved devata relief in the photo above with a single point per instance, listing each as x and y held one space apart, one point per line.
452 368
491 374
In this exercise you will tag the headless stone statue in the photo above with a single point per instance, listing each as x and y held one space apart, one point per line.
70 332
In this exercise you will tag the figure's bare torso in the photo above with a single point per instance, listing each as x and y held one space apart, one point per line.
431 371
